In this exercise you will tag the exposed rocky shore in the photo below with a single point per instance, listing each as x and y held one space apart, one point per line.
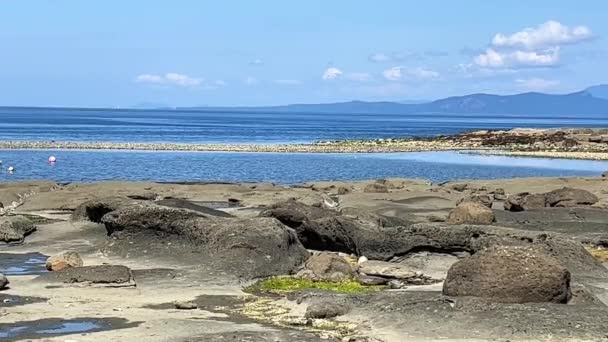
381 260
565 143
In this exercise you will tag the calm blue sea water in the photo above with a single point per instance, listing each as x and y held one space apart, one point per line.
235 127
277 167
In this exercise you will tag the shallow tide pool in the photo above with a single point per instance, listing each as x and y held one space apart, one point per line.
286 168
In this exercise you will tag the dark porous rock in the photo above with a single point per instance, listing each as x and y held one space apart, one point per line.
250 248
326 309
184 204
93 210
386 243
327 267
293 213
510 275
144 196
3 281
471 213
525 201
485 200
186 305
569 197
375 188
98 274
317 228
14 229
368 280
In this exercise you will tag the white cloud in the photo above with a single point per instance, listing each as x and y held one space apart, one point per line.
220 83
358 76
500 59
550 34
331 73
379 58
256 61
399 73
537 84
170 78
288 82
393 74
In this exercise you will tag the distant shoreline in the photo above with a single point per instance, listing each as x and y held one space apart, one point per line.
580 143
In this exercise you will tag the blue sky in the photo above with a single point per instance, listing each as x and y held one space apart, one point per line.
188 53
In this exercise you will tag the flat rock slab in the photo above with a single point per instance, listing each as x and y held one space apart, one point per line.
386 270
100 274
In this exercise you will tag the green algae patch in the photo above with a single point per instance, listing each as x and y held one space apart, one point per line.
289 284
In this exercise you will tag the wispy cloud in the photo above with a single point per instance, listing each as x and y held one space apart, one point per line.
400 73
256 61
358 76
288 82
379 58
250 81
537 84
331 73
170 78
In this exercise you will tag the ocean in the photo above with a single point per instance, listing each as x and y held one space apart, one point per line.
242 128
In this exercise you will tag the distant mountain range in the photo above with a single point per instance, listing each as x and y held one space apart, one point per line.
591 101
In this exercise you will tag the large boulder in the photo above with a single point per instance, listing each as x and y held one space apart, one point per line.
249 248
93 210
510 275
326 309
569 197
471 213
327 267
525 201
64 260
14 229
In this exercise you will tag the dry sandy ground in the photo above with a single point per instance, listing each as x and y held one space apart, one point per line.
144 312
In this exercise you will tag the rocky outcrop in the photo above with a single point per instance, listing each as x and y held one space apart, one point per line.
565 197
510 275
471 213
93 210
375 188
327 267
250 248
484 200
64 260
184 204
14 229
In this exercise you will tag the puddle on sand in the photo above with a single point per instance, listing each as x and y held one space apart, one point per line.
56 327
22 264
